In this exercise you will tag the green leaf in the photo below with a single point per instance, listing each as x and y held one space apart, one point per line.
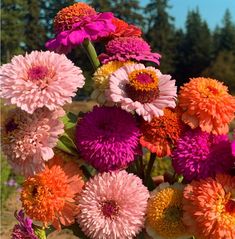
77 231
39 232
69 120
66 144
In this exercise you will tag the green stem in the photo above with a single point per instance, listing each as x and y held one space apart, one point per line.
149 168
91 53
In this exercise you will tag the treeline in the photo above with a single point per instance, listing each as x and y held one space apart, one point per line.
193 51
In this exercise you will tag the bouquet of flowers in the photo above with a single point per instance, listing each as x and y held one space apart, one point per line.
91 173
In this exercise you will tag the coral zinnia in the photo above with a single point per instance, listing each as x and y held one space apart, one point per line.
161 134
128 48
142 89
165 213
113 205
200 154
124 29
40 79
107 138
27 140
209 207
206 103
101 80
76 23
49 196
24 229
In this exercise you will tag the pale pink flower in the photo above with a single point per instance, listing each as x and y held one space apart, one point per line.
113 206
144 90
40 79
28 139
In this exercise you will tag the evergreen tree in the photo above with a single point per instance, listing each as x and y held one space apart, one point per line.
160 32
12 32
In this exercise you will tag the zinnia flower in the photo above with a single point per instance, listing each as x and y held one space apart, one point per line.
128 48
27 140
206 103
161 133
123 29
113 205
209 207
107 138
24 229
101 80
142 89
165 213
76 23
40 79
200 154
49 196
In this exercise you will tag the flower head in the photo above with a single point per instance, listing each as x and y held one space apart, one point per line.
68 16
76 23
161 133
206 103
200 154
27 140
113 205
24 229
40 79
128 48
209 207
123 29
142 89
101 80
165 213
107 138
49 196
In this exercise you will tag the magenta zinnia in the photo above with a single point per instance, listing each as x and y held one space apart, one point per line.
128 48
27 140
200 154
40 79
113 205
107 138
144 90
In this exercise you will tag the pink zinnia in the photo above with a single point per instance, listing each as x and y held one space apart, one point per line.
144 90
199 154
40 79
107 138
27 140
128 48
113 205
92 27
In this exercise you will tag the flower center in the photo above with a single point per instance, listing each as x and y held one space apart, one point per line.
110 208
213 90
11 126
230 206
37 73
173 214
143 86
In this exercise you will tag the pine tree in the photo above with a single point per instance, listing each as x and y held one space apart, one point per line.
12 32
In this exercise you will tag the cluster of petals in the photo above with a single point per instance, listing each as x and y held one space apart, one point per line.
113 206
128 48
108 138
161 133
207 104
24 229
49 197
91 27
40 79
28 139
209 207
165 213
200 155
148 103
101 80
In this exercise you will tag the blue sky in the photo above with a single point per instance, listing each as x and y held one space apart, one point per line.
211 10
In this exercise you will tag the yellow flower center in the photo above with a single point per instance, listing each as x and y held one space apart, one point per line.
164 213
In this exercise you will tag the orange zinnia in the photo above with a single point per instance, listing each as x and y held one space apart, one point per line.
209 207
206 103
49 196
160 135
